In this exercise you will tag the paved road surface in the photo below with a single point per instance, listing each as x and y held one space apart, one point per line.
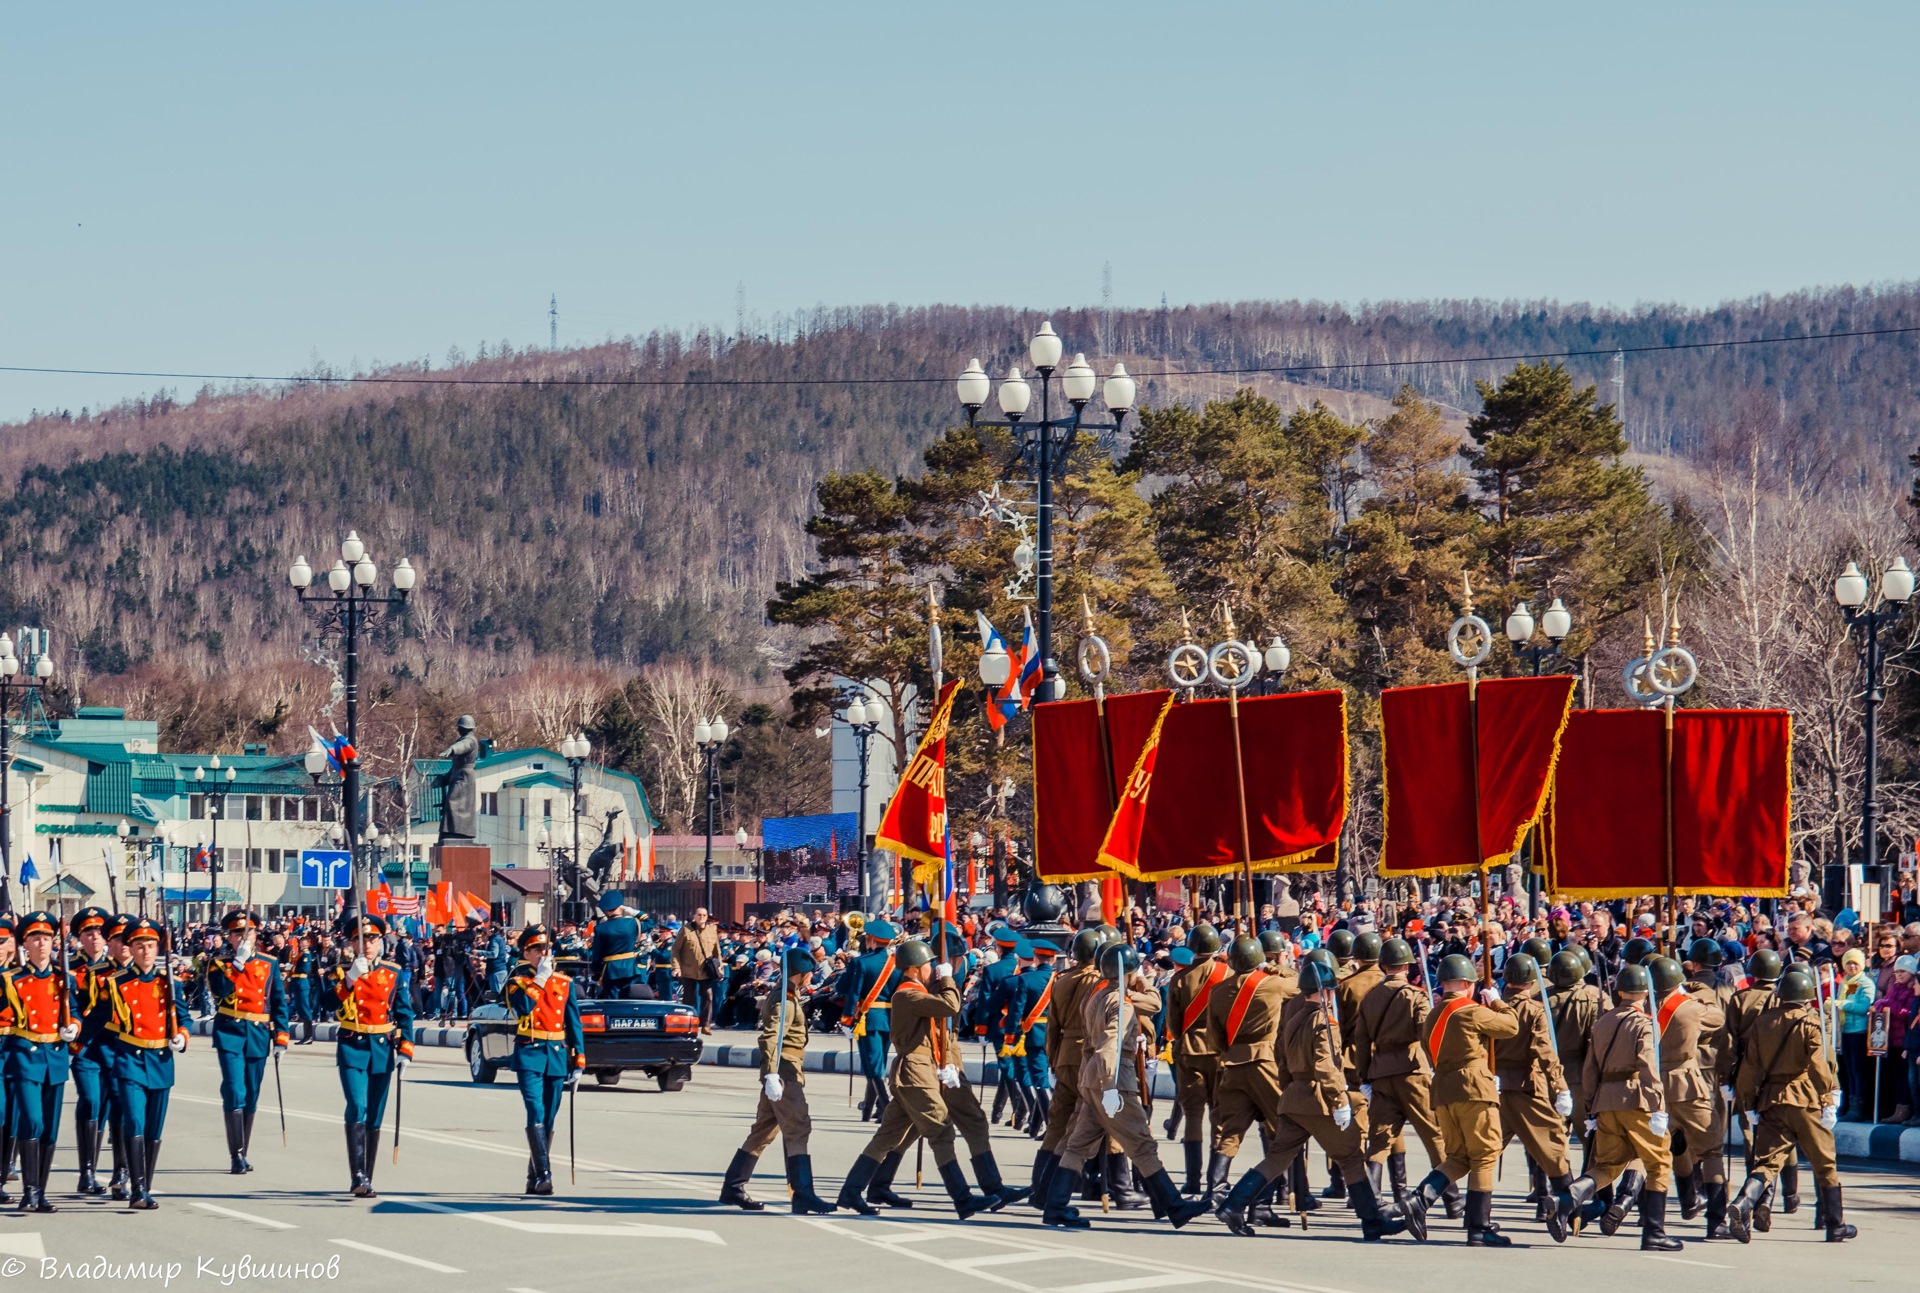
451 1215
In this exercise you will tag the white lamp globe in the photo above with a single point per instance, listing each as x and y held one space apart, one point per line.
720 731
1896 581
1850 589
1557 622
1045 348
403 575
1278 656
702 732
1519 624
1079 380
1119 390
352 550
974 385
1015 394
338 577
995 665
301 574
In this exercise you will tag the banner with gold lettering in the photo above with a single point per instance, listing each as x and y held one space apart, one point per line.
915 824
1120 850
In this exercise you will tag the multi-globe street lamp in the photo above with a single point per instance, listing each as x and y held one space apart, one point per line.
575 749
1865 622
710 734
216 809
1047 441
348 606
864 718
1554 625
38 670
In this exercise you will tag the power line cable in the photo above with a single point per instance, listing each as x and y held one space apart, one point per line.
424 379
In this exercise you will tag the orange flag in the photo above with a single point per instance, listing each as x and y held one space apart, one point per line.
1120 850
915 824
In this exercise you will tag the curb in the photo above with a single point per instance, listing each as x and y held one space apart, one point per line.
423 1034
1888 1142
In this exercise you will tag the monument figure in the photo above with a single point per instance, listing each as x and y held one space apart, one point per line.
460 795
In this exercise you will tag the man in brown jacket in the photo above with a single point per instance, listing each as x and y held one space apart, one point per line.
696 950
1115 1016
1786 1085
1465 1099
1196 1065
782 1110
1626 1111
1243 1022
1396 1080
1690 1025
1719 1056
1066 1047
1534 1100
1314 1106
1749 1003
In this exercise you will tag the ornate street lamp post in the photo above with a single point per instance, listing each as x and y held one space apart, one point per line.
348 606
864 717
710 735
575 750
1554 626
39 669
1865 623
216 809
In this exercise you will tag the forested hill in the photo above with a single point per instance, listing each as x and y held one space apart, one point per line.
650 516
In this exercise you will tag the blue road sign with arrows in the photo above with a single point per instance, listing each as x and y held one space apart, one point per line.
326 869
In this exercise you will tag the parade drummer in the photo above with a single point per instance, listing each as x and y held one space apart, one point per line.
146 1033
250 1023
550 1046
375 1015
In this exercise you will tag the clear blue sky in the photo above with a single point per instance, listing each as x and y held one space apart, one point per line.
248 187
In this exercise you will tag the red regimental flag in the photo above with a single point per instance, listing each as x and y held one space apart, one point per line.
1120 850
915 824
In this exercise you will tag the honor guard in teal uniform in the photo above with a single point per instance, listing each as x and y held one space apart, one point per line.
249 1024
7 948
987 1007
145 1032
96 1030
39 995
614 961
550 1046
1030 999
1003 1019
867 1008
375 1014
92 1109
782 1109
300 973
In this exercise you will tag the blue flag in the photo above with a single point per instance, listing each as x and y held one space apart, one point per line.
29 873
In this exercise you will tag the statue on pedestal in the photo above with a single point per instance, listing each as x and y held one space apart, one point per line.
460 795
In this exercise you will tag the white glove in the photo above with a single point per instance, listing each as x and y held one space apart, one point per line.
1833 1100
773 1086
241 955
278 1047
359 967
1753 1117
68 1032
178 1042
1563 1103
573 1077
543 970
1110 1101
949 1077
1593 1125
1366 1090
1343 1116
943 971
401 1060
1490 994
1659 1124
1726 1093
1829 1116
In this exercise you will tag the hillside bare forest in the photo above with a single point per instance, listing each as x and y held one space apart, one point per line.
600 532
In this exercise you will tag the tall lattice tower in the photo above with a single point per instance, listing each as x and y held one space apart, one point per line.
553 322
1107 346
1620 390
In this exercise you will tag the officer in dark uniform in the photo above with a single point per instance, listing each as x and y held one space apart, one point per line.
299 972
39 996
866 1007
146 1031
614 962
375 1014
1001 1010
1031 1000
7 951
250 1023
549 1049
987 1010
90 1103
96 1031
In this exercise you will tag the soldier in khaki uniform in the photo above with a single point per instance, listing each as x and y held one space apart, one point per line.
1786 1085
1066 1047
1577 1005
963 1105
1354 984
1243 1021
1115 1016
1310 1060
782 1109
1626 1111
925 1066
1466 1101
1749 1004
1696 1056
1196 1065
1535 1102
1396 1080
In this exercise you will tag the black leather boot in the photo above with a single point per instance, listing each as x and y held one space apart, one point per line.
1172 1124
880 1192
236 1158
859 1177
1196 1164
539 1165
1832 1210
46 1170
1691 1204
1235 1211
1336 1183
1743 1210
1059 1209
1002 1092
29 1173
1044 1163
987 1172
1717 1211
1397 1177
1374 1225
1043 1113
1790 1188
1264 1213
1763 1210
733 1186
1017 1096
358 1152
1559 1207
1430 1191
1166 1195
1303 1200
246 1139
1480 1231
117 1184
151 1145
1626 1192
87 1138
1219 1167
1120 1191
1536 1183
1573 1207
1653 1223
800 1177
136 1158
1450 1200
965 1202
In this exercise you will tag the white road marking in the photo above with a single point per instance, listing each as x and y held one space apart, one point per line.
618 1230
1681 1261
26 1244
1166 1279
237 1215
408 1258
1007 1259
522 1290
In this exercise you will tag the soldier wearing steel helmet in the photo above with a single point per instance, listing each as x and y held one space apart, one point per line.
1692 1094
1705 1175
1466 1100
970 1121
1535 1102
782 1108
1626 1111
1196 1064
1749 1003
1792 1103
1357 978
1396 1079
1066 1047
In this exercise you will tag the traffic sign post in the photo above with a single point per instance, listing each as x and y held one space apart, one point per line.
326 869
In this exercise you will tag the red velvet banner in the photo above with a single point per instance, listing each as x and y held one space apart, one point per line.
915 824
1731 804
1431 807
1076 784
